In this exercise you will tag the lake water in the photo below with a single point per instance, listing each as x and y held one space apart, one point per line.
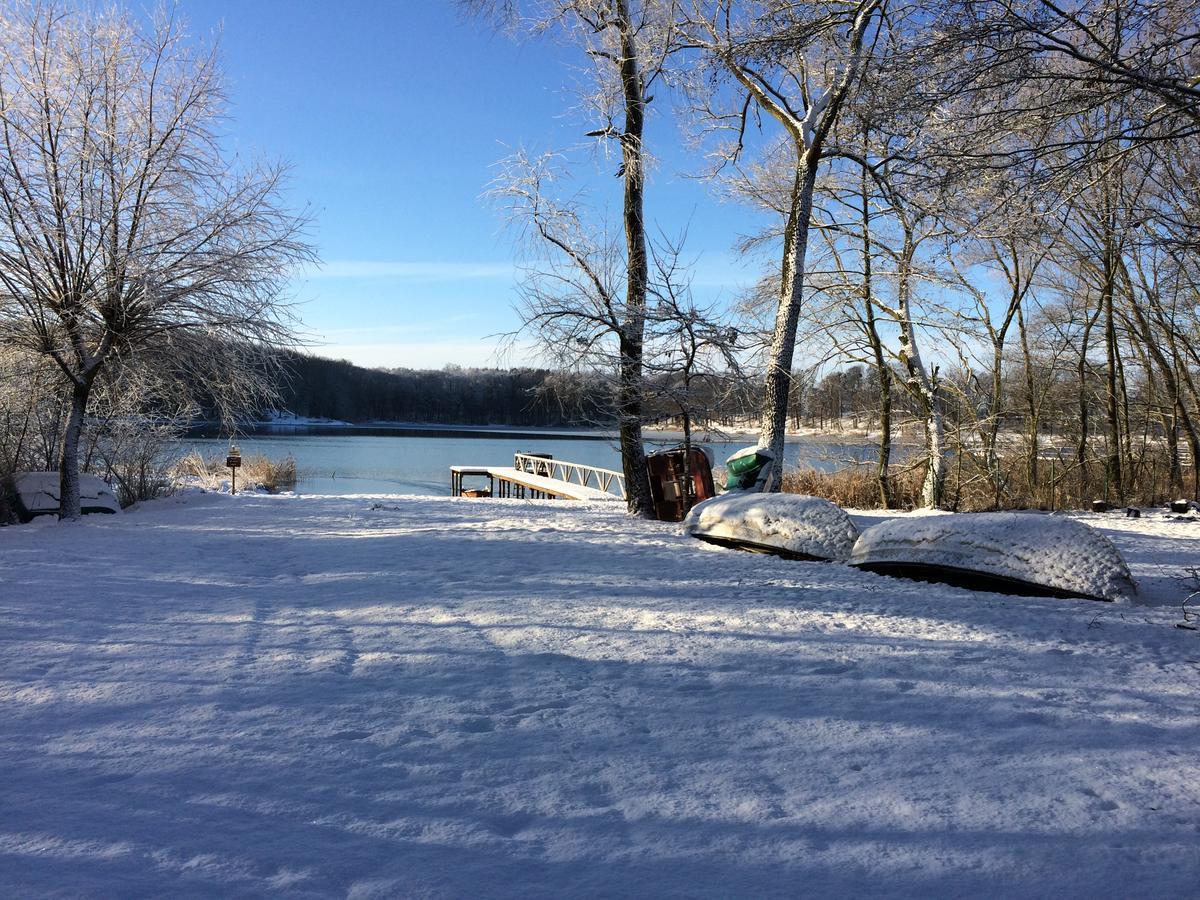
352 462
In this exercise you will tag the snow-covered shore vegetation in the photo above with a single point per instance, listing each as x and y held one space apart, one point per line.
256 472
399 696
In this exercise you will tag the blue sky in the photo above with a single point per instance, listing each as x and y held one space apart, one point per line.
391 115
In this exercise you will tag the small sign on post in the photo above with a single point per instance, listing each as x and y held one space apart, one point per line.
234 462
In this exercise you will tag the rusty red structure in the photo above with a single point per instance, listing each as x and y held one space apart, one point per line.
678 481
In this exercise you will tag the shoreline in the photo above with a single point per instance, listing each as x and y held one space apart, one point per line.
581 433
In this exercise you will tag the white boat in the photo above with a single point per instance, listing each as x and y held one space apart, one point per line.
38 493
1031 554
789 525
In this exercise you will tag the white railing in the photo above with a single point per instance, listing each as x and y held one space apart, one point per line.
572 473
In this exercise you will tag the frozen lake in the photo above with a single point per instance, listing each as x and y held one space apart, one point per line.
351 462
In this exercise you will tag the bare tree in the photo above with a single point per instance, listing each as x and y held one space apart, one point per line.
999 232
1102 51
125 231
31 412
796 63
694 366
628 43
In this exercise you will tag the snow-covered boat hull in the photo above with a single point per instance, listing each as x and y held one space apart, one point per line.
37 494
1011 553
788 525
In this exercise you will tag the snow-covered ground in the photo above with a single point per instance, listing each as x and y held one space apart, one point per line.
410 697
288 418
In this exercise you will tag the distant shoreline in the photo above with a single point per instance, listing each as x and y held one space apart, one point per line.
380 429
279 428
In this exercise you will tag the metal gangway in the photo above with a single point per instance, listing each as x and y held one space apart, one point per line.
540 477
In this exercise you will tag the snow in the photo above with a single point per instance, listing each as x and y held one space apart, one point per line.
289 418
1046 550
38 493
797 524
752 451
397 696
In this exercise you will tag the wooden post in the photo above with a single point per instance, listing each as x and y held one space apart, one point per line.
233 461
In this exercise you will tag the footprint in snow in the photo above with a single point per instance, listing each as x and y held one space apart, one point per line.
1105 804
114 778
351 734
480 725
538 707
832 669
594 794
510 825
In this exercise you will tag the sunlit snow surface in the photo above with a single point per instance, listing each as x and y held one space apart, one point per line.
808 526
396 697
1052 551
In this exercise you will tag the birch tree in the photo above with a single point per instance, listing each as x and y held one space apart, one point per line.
796 63
125 231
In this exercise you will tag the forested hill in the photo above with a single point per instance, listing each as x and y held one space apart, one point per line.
337 389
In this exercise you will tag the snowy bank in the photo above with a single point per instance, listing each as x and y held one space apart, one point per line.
366 696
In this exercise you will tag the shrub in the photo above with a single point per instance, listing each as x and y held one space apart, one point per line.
257 472
272 476
855 487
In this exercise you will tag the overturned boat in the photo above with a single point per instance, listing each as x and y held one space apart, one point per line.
37 494
1010 553
789 525
679 478
751 469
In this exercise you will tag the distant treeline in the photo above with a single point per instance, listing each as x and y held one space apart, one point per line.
337 389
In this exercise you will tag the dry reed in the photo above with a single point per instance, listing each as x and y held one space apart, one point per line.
256 472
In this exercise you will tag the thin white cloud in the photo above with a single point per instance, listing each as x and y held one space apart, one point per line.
398 270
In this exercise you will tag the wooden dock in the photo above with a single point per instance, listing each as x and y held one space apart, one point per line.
536 478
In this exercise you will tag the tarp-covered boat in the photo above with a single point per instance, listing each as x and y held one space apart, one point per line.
38 492
750 469
1011 553
789 525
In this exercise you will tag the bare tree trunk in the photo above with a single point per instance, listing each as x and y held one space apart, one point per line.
1114 483
1170 422
922 384
1020 280
883 370
689 491
1155 357
783 341
1081 450
68 469
629 396
883 475
1190 428
1032 411
934 487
